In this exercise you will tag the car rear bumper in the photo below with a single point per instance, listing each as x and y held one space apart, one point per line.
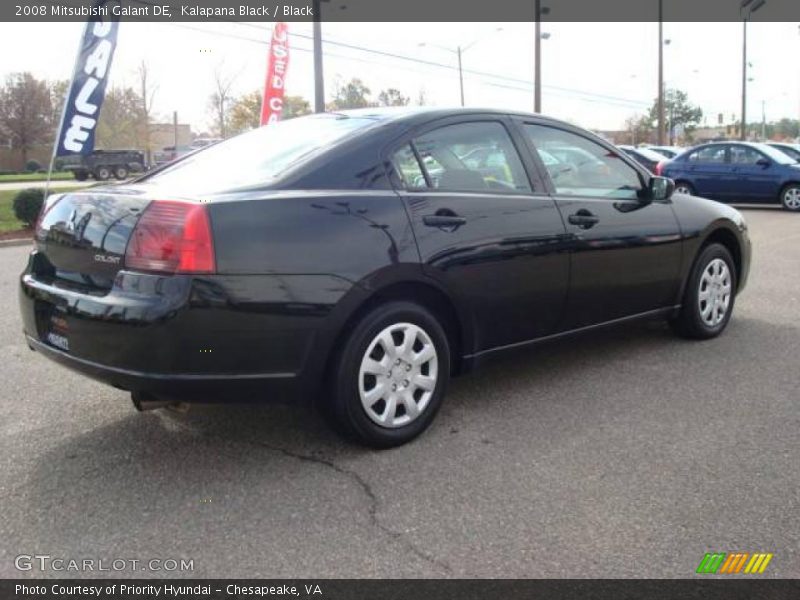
234 337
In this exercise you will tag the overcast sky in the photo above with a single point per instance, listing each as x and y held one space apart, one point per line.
595 74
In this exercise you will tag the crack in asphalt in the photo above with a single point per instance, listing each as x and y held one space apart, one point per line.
374 502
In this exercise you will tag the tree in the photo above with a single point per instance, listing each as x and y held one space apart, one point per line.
119 124
640 128
392 97
220 100
353 94
26 112
677 111
58 93
295 106
422 97
245 112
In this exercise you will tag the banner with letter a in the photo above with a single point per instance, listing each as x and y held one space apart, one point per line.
277 65
88 86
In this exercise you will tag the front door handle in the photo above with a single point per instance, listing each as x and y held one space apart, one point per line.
583 219
444 217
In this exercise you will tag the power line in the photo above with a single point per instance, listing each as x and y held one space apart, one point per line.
581 94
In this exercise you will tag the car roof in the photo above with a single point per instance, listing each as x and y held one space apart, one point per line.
413 114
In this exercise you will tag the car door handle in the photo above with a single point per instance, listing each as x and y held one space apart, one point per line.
443 220
583 219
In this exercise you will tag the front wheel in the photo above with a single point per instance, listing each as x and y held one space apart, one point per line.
684 187
709 295
790 197
390 377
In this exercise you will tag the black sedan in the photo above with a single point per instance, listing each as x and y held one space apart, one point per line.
646 157
359 260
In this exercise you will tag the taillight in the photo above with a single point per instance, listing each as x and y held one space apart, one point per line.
172 237
660 168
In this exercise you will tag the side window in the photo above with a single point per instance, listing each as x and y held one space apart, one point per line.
709 154
407 167
742 155
579 166
472 157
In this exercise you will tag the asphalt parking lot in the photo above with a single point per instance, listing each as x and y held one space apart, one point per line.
627 453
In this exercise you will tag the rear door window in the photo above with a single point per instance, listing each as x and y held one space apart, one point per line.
472 157
708 155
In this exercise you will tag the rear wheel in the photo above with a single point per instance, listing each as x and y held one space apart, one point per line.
120 172
390 377
709 296
102 173
684 187
790 197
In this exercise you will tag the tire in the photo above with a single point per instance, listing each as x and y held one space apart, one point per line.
81 175
709 295
102 173
120 173
684 187
790 197
367 381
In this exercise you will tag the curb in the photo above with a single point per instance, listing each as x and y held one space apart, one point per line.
16 242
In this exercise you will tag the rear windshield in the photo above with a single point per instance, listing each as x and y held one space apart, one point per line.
258 156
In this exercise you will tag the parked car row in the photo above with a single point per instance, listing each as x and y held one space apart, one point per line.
737 172
728 171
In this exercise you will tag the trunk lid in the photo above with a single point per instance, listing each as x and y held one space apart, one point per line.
83 235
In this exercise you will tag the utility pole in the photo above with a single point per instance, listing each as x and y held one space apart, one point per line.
175 130
763 121
537 69
743 128
319 81
660 72
747 7
460 75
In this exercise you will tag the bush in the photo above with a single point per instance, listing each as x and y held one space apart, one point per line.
28 204
32 166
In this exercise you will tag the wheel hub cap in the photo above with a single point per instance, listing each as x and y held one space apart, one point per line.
714 293
398 375
792 198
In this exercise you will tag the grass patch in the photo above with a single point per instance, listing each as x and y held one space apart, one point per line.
8 222
57 176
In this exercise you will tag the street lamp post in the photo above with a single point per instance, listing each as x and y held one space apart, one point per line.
319 81
660 72
537 59
747 7
458 52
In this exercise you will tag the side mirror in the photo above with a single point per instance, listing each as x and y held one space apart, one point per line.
763 162
660 188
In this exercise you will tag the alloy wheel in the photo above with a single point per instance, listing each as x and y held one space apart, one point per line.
714 294
398 375
684 189
791 198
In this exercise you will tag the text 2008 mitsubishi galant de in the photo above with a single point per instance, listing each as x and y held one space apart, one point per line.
359 260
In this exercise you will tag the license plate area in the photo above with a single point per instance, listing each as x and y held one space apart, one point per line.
53 325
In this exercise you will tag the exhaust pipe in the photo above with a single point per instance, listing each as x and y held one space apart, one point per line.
143 401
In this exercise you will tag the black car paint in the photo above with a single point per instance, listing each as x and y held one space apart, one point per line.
298 260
